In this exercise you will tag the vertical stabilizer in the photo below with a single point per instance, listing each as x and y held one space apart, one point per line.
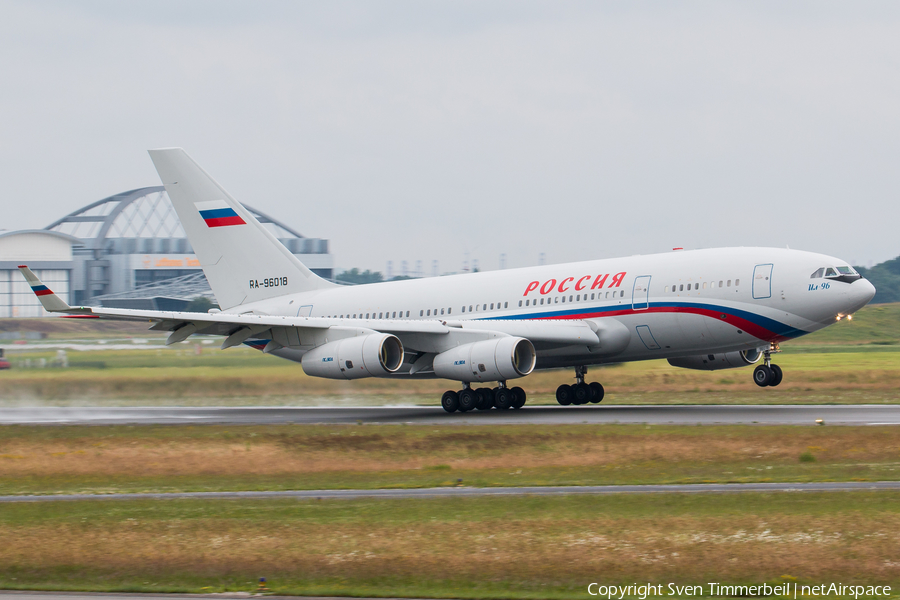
242 260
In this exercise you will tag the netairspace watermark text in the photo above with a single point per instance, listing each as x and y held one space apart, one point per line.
791 590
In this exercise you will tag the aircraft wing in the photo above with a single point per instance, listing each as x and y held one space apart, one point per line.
427 336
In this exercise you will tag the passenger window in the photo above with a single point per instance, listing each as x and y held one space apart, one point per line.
484 307
737 282
380 315
492 306
395 316
442 311
542 301
570 298
729 283
421 313
564 299
666 289
681 288
556 300
720 283
470 308
505 304
429 312
449 310
704 285
622 294
367 315
464 309
407 313
592 296
520 304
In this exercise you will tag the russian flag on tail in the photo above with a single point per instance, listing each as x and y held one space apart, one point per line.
217 213
37 287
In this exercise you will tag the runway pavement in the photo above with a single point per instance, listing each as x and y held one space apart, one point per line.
444 492
867 414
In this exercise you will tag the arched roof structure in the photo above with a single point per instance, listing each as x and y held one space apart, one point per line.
148 213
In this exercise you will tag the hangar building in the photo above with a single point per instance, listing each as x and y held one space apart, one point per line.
125 250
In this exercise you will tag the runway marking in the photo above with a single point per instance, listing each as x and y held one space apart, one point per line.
829 486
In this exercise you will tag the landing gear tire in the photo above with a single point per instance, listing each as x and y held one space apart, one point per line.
503 398
564 394
520 397
467 400
777 375
450 401
763 376
581 393
597 392
485 399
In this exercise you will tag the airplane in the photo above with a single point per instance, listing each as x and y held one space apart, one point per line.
699 309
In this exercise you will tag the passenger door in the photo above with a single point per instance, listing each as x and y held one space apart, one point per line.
640 293
762 281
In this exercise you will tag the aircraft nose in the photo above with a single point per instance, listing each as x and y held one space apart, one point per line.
861 292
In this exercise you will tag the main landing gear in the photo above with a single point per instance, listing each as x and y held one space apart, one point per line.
500 397
768 374
581 392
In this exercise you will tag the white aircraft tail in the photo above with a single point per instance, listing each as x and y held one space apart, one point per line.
242 260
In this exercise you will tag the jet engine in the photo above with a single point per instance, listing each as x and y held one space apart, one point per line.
373 355
714 362
491 360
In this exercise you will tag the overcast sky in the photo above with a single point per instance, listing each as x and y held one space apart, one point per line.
428 130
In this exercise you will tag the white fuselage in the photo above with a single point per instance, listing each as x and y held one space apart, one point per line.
676 304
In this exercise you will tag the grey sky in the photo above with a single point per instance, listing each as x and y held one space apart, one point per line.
425 130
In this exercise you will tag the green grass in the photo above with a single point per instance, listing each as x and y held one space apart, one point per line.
106 459
515 547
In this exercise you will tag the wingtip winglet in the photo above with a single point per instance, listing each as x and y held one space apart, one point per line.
50 301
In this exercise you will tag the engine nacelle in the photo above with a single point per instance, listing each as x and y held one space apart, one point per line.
714 362
491 360
373 355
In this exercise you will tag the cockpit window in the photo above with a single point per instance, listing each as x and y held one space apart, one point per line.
844 273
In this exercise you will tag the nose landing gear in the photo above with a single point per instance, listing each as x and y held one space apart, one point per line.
581 392
768 374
